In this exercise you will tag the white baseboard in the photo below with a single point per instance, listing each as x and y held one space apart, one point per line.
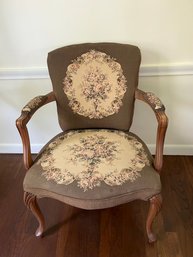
18 148
174 149
168 149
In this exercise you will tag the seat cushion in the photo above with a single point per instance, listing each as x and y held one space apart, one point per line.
94 168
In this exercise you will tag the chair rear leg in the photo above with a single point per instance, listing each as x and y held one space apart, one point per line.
154 208
31 203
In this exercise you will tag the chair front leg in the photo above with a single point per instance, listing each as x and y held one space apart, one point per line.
31 203
154 208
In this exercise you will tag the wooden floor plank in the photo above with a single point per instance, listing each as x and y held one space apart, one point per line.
169 246
118 231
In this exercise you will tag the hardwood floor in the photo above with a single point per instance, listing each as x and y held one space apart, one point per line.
115 232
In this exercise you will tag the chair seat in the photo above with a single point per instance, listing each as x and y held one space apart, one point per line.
94 168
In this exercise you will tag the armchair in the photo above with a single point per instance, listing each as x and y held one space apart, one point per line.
95 162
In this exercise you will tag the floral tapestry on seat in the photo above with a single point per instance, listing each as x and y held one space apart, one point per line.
94 156
95 85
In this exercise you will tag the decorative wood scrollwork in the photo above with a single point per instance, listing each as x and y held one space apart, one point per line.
155 206
31 203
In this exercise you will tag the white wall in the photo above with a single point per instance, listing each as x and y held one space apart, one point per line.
162 29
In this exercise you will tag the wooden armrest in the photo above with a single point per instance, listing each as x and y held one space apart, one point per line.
155 103
26 114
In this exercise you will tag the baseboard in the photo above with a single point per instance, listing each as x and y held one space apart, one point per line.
168 149
174 149
18 148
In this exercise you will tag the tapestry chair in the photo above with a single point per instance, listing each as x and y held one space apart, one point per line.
95 162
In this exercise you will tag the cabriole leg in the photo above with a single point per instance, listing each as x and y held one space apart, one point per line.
154 208
31 203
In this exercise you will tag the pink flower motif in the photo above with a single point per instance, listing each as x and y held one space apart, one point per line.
95 84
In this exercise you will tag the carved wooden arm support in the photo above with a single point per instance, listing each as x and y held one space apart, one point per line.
22 121
159 110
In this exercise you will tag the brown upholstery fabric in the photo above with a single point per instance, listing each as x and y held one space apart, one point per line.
127 56
122 169
103 196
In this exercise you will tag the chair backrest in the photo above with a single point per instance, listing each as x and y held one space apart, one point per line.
94 84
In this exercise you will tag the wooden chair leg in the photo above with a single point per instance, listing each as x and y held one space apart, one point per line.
154 208
31 203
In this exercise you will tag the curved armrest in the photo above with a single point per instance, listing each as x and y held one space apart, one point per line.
22 121
154 102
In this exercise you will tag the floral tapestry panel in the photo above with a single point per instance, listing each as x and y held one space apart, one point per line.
95 85
90 157
32 104
155 101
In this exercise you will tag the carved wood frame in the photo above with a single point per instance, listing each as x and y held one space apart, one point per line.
22 121
155 201
30 200
161 129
